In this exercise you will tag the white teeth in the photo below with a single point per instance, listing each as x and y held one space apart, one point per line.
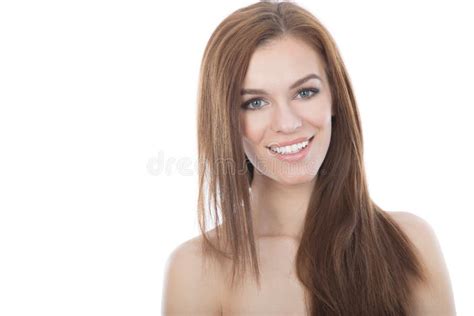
290 149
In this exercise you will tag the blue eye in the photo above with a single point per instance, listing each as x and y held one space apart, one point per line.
254 105
313 91
250 105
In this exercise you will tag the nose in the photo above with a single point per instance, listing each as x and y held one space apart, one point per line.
284 119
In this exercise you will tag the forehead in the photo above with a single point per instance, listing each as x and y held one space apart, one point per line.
281 62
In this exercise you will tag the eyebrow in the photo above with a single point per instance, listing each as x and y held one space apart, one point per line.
294 85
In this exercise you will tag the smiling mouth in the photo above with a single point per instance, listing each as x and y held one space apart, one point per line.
309 141
292 155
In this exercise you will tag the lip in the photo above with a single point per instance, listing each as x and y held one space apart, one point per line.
291 142
296 156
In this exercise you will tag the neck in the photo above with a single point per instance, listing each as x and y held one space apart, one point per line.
279 210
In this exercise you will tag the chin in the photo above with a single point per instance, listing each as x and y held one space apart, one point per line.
294 179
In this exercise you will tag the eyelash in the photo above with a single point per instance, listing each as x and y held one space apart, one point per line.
246 104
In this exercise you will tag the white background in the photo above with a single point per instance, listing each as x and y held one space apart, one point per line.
98 97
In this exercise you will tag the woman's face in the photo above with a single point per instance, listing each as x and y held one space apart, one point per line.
286 109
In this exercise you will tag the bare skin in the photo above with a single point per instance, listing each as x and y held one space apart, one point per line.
189 291
281 292
280 196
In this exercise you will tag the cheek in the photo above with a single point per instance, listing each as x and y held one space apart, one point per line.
253 128
318 114
319 119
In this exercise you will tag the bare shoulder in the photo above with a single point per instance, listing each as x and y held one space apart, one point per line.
435 297
189 288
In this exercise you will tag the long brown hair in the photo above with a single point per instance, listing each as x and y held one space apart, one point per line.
353 259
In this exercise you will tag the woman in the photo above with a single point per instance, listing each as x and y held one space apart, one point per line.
282 179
